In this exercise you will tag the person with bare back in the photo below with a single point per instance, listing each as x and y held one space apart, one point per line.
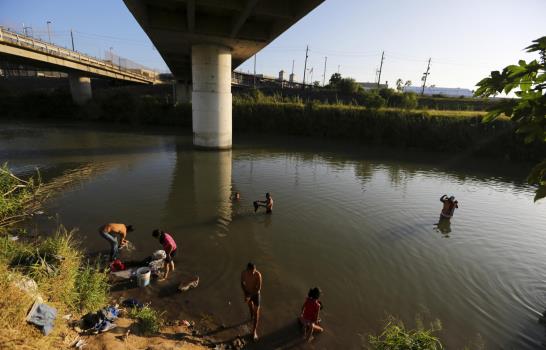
251 283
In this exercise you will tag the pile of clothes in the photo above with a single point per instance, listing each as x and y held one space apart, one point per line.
101 321
156 261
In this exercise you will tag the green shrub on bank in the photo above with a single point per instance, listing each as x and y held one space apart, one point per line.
149 320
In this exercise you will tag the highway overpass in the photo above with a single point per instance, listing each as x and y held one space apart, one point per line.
201 40
17 48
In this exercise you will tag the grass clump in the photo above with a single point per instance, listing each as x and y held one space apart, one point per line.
395 336
149 320
63 281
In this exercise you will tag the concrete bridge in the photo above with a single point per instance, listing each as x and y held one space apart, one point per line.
201 40
81 68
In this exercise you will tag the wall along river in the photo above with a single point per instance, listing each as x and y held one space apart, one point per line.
358 223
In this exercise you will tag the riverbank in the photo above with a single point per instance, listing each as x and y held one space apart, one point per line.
448 132
52 269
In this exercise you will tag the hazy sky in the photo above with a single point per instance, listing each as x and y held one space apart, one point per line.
466 39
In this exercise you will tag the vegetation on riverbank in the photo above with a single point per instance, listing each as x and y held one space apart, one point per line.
395 336
53 268
448 132
17 196
149 320
63 279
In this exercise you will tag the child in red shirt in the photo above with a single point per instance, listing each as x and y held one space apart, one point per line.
310 314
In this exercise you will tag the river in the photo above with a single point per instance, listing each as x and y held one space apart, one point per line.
359 223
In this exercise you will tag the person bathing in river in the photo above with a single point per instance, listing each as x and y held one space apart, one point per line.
267 204
309 316
251 283
109 232
169 245
450 204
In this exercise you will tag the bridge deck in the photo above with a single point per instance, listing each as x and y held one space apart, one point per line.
33 51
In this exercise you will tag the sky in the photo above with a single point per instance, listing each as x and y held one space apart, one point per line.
465 39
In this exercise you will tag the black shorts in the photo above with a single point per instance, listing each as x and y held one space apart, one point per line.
170 257
255 298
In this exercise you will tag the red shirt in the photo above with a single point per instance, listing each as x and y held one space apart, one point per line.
168 242
311 309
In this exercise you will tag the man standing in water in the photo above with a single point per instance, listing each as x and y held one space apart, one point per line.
251 283
267 204
450 204
108 232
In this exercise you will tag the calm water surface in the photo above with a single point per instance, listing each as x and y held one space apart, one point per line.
359 224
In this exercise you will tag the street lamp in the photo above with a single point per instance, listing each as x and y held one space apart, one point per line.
48 31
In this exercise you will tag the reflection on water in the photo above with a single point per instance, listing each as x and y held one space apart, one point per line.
362 225
443 226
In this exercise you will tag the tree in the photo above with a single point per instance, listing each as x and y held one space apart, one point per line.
335 79
528 111
400 85
316 83
347 86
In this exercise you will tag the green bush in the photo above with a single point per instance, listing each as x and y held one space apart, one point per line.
149 320
92 288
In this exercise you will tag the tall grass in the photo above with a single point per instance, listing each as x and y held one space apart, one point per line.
64 282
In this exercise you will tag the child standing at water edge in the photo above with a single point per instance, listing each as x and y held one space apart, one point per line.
109 232
309 317
169 245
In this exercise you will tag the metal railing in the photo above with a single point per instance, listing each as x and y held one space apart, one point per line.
27 42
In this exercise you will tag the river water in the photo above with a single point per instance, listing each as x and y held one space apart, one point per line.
358 223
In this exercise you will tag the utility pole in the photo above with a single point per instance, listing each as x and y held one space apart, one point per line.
380 69
72 38
254 71
48 31
305 65
424 78
338 68
324 74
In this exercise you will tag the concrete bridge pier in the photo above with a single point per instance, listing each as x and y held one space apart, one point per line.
80 88
182 92
211 96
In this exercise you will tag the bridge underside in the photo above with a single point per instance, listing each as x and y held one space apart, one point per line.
201 40
244 26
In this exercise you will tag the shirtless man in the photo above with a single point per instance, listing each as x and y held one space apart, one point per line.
108 232
450 204
267 204
251 283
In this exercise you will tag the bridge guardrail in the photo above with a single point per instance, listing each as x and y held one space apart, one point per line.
54 50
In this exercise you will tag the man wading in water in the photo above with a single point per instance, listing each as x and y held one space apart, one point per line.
450 204
267 204
251 283
108 232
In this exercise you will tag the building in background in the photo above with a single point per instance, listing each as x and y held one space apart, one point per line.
372 86
433 90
